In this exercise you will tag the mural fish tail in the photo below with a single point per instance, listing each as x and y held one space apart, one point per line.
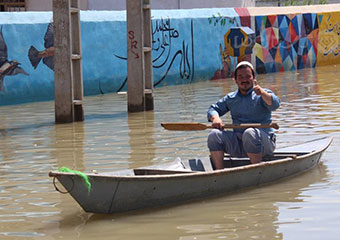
33 55
49 62
15 69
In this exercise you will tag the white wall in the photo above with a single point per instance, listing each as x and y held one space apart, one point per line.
171 4
106 4
216 3
46 5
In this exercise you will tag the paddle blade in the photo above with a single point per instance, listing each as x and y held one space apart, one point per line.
190 126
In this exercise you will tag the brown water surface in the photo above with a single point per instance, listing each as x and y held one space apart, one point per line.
303 207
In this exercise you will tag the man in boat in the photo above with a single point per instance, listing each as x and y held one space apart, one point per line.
250 103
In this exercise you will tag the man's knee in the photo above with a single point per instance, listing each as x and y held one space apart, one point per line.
215 142
251 140
250 134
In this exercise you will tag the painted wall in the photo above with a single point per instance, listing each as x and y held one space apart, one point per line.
300 37
329 41
188 45
286 42
184 50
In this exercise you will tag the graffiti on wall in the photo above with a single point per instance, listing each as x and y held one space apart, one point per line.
227 57
238 42
286 42
165 57
7 67
329 42
163 34
133 46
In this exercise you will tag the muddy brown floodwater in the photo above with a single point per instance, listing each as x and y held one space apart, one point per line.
302 207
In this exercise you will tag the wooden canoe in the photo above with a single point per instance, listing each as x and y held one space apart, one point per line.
185 180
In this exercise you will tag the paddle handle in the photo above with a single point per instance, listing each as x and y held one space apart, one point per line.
192 126
250 125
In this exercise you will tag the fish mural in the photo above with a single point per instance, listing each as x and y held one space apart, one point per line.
7 68
47 54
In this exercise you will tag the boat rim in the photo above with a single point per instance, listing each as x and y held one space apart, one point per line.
186 174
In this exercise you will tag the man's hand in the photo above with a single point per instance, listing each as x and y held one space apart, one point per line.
267 97
257 89
216 121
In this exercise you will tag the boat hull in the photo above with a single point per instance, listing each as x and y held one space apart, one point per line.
113 194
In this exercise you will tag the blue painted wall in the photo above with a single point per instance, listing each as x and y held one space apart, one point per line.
185 49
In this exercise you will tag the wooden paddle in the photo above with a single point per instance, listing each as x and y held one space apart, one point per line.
194 126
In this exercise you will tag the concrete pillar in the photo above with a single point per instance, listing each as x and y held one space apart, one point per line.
139 55
77 71
148 56
68 80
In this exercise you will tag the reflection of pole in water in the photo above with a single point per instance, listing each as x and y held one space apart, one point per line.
68 142
69 145
141 138
7 142
327 81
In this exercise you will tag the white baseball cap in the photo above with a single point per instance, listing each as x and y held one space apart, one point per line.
244 63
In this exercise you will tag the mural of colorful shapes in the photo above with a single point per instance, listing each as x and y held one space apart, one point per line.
306 54
267 60
286 42
244 16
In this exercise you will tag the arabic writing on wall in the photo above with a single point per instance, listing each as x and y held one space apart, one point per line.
165 39
330 44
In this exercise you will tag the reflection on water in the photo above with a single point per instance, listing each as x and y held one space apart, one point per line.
141 132
110 139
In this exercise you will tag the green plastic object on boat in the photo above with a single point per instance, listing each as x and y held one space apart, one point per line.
81 174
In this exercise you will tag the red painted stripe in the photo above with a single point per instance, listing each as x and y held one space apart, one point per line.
244 16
